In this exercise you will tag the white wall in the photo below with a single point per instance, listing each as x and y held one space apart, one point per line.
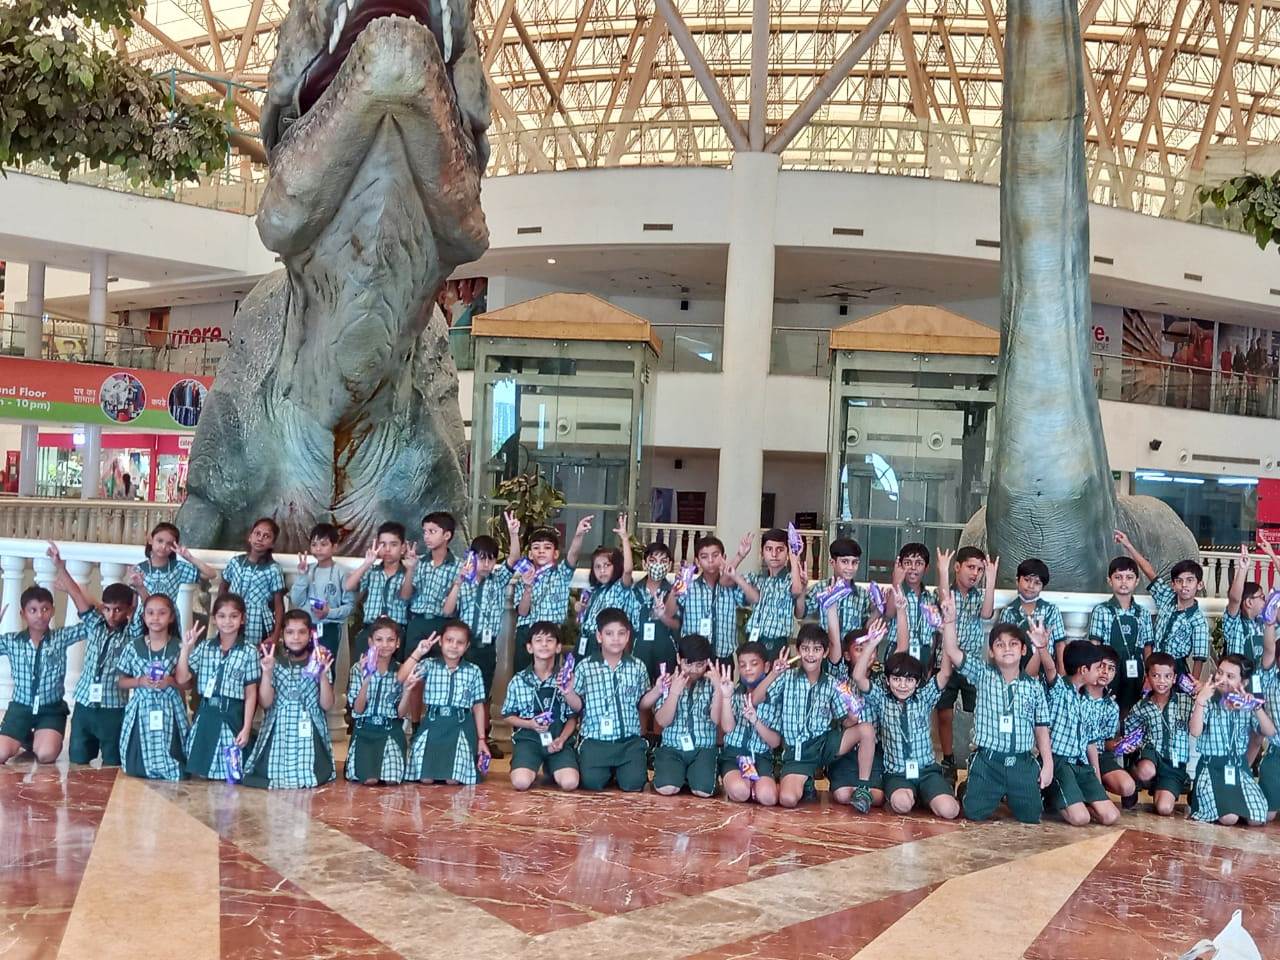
699 471
798 484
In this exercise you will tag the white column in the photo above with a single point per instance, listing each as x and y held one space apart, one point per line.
28 458
92 473
748 324
80 571
34 308
97 347
12 570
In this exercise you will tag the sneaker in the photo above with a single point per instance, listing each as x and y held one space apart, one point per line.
1129 802
861 800
949 770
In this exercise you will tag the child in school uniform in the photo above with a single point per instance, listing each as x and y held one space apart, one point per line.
605 692
547 596
376 699
903 704
1105 727
908 581
99 701
749 731
857 777
167 567
610 588
378 581
542 723
655 638
850 612
709 605
225 671
776 594
426 584
974 604
1076 791
1033 577
320 591
1242 623
1181 629
36 718
450 740
813 718
1225 789
257 580
685 706
1010 720
153 733
293 750
1269 685
1124 626
1160 760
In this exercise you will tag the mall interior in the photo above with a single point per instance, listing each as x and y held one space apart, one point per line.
743 273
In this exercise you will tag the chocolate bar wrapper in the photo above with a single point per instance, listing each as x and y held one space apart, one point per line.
837 591
1242 701
747 767
931 616
469 565
1271 609
585 597
794 541
566 670
877 596
156 671
522 566
1129 742
1186 684
235 763
482 763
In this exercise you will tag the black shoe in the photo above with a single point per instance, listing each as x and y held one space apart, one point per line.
1129 802
494 750
949 770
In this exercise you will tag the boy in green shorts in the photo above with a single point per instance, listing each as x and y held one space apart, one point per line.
1162 755
655 638
813 718
1033 577
1076 790
1010 719
1125 627
547 598
541 719
1181 629
775 594
425 585
685 706
1105 729
973 604
605 692
100 703
749 730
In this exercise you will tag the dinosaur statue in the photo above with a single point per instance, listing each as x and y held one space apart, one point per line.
1051 493
338 400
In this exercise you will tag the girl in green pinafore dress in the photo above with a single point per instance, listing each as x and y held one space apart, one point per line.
450 739
378 706
226 672
155 725
293 750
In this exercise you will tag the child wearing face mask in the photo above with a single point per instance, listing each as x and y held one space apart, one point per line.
655 637
611 588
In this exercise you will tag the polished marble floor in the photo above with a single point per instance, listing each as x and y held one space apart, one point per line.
99 866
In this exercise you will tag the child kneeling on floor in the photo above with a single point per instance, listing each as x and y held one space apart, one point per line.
449 744
686 703
750 737
378 706
542 722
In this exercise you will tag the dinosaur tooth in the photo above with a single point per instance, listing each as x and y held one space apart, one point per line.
338 24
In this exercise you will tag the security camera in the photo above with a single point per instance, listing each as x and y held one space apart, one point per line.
1155 444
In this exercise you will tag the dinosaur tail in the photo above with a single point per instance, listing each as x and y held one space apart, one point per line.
1051 490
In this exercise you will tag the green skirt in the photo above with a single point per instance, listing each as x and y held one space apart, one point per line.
369 748
217 723
434 754
321 763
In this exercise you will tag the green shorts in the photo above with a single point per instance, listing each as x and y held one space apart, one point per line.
996 776
21 724
95 730
843 771
625 761
1073 782
1108 762
1169 777
807 758
728 761
678 768
931 783
958 687
528 753
1269 777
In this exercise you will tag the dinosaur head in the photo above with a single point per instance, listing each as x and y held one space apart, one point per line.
317 36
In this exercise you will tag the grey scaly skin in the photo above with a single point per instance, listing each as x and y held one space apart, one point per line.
1051 494
338 398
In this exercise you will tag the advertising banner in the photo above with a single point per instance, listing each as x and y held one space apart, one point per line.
58 392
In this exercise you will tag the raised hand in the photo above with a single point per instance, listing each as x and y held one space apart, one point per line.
54 554
425 645
267 657
783 663
745 544
185 554
724 677
623 529
323 656
748 710
944 558
193 634
899 574
302 563
512 521
468 566
136 580
1038 633
584 525
410 558
947 604
993 569
1122 538
371 556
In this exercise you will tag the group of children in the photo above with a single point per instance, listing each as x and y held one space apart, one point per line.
663 676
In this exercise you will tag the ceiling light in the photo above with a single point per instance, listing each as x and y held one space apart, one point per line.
551 260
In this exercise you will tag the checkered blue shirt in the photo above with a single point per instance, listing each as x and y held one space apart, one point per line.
618 595
224 675
852 611
743 737
385 690
257 584
969 628
1242 636
168 579
718 607
1110 625
921 634
456 689
610 692
550 599
774 614
431 584
1023 699
482 603
1165 731
805 710
284 757
528 696
323 583
1179 633
1070 719
693 716
102 649
49 686
1042 610
1226 731
1270 680
1102 719
905 731
381 595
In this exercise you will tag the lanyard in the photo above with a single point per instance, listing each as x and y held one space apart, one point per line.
1167 732
222 666
715 593
617 694
105 655
1173 621
1119 638
479 607
538 685
1010 697
35 666
902 720
808 703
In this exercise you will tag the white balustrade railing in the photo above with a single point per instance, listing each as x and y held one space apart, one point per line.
1220 567
85 521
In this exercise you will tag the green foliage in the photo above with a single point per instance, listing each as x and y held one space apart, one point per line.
1256 198
533 500
64 100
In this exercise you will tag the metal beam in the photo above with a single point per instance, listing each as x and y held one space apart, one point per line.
860 44
246 38
759 74
566 65
496 34
636 86
554 96
212 26
1226 65
724 113
511 121
243 102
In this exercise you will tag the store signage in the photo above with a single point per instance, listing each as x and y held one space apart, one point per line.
55 391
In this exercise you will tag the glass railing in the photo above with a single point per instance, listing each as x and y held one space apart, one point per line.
79 341
800 351
690 348
1135 380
